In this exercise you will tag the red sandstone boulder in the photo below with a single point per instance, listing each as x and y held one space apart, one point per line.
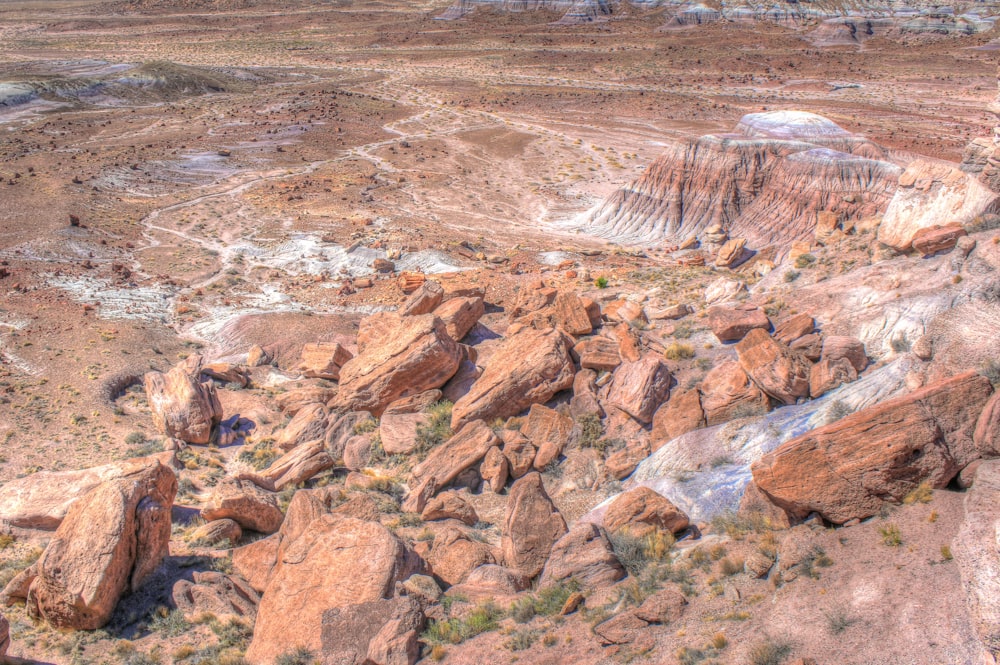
529 368
680 415
182 406
460 315
454 555
308 424
584 554
424 300
323 360
641 511
450 506
794 328
245 503
401 356
933 239
778 370
598 353
727 393
531 527
462 451
850 468
732 324
639 388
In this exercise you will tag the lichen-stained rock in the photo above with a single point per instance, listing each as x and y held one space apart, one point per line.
323 360
401 356
423 300
585 555
529 368
727 393
639 388
309 423
929 193
224 596
245 503
851 468
641 511
731 324
337 561
110 541
460 315
680 415
182 406
778 370
531 526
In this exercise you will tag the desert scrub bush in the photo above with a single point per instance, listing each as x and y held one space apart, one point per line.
737 526
922 493
683 331
9 568
548 601
791 275
365 426
730 566
484 618
521 639
6 540
805 261
297 656
991 370
891 536
816 558
769 652
167 622
260 455
839 621
590 430
678 351
601 282
946 554
234 634
899 343
437 429
636 552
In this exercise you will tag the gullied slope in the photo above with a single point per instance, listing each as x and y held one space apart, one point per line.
765 182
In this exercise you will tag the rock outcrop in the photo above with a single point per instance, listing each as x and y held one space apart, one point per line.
338 561
529 368
110 541
585 555
765 182
246 504
183 407
639 388
400 356
531 526
851 468
779 371
642 510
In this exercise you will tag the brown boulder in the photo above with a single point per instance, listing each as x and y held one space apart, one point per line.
811 346
584 401
340 430
837 347
245 503
672 313
680 415
298 465
548 430
828 374
933 239
598 353
851 468
258 357
569 312
642 511
224 596
622 462
380 632
732 253
531 526
779 371
255 562
495 470
323 360
227 373
584 554
639 388
629 345
662 607
460 315
520 453
402 356
728 393
732 324
110 541
987 434
337 561
309 423
398 432
293 401
424 300
463 450
793 328
529 368
625 311
449 506
454 555
415 403
215 533
623 628
182 406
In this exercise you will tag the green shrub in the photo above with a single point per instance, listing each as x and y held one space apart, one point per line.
601 282
636 552
482 619
522 639
805 260
169 623
437 429
891 535
791 275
